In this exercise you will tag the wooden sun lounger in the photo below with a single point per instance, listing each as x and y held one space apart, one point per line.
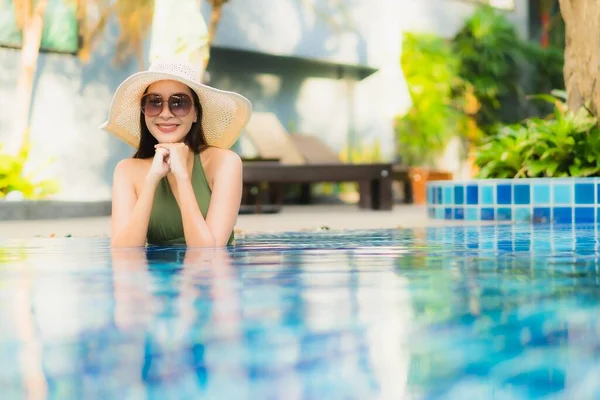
374 180
305 159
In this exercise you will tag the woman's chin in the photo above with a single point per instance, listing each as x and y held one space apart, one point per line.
164 139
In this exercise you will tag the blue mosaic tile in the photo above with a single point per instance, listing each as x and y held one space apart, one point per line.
447 196
522 245
505 245
541 194
503 193
439 213
562 194
486 194
472 238
521 194
447 213
472 194
473 245
522 214
541 215
487 214
459 194
562 215
504 214
509 200
487 245
471 214
584 193
540 245
585 246
584 215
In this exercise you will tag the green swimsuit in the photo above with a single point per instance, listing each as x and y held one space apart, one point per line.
166 226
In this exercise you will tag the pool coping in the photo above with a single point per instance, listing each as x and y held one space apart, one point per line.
23 210
52 209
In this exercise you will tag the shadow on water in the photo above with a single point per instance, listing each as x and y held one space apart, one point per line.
457 312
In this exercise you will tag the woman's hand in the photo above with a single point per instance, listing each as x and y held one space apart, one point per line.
160 165
178 156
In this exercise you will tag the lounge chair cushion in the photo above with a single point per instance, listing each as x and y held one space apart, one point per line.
271 139
314 150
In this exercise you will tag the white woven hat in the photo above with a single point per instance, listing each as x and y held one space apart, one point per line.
224 113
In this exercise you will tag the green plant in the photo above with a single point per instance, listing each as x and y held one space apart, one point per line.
437 113
13 177
566 144
544 73
490 58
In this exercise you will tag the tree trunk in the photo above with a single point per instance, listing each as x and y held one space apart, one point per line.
582 53
32 36
215 18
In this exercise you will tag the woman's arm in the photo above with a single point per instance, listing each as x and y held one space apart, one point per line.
215 230
195 229
226 197
224 206
131 213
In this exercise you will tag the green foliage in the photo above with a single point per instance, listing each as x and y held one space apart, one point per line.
13 178
490 55
465 87
545 73
437 114
566 144
503 69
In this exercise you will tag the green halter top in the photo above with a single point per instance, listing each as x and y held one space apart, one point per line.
165 226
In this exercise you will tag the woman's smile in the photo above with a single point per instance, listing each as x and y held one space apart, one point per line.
167 127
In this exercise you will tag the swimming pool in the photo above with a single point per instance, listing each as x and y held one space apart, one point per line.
476 312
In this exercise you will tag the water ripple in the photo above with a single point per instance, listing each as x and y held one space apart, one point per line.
503 312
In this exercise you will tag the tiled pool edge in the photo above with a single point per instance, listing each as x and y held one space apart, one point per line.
536 200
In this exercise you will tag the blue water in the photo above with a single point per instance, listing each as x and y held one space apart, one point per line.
496 312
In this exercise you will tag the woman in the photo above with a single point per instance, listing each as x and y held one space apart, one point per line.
183 184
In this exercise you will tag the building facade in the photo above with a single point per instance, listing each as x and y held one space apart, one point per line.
327 70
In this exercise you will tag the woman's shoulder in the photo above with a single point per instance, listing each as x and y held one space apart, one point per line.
220 162
132 166
215 157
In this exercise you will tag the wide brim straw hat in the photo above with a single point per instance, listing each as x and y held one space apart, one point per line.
224 114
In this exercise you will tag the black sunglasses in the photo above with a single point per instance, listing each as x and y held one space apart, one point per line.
180 104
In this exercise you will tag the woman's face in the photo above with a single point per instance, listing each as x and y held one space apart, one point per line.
169 111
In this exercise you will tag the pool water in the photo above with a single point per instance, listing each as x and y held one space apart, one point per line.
489 312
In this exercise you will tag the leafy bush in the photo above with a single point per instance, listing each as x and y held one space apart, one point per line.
465 87
436 114
503 69
13 178
566 144
490 55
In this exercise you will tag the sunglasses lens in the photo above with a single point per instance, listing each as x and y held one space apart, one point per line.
180 104
152 105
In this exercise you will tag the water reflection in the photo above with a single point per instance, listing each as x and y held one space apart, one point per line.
453 313
177 308
498 311
183 323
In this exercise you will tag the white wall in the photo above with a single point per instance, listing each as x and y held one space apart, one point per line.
71 99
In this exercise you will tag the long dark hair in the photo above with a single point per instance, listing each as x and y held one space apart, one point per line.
195 139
